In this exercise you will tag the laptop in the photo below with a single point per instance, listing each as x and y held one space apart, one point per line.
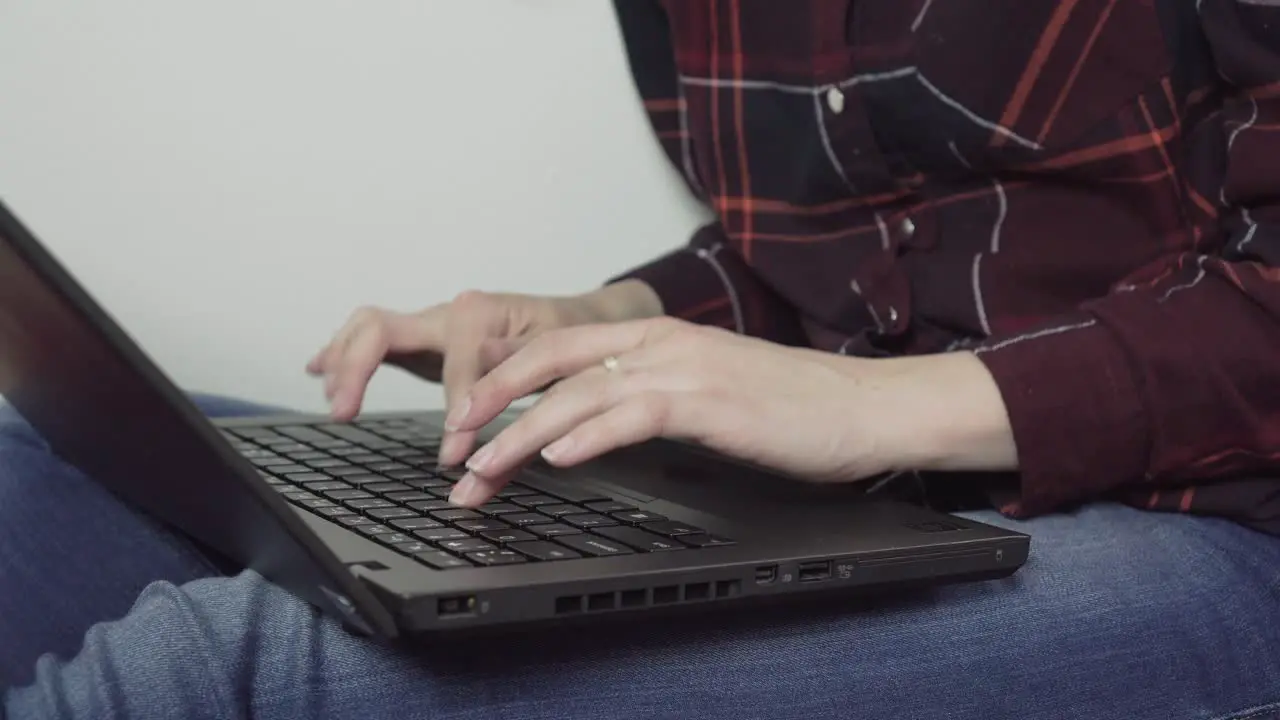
353 517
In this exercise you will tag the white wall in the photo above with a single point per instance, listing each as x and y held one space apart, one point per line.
231 178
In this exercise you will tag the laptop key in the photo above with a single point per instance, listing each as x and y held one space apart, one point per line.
367 457
526 519
560 510
431 505
455 515
496 509
409 475
327 463
343 495
317 503
364 478
515 490
497 557
609 507
335 512
671 528
375 529
355 521
589 520
704 540
565 491
442 533
424 483
413 548
343 472
465 545
537 501
409 496
395 538
502 537
637 517
386 467
386 487
542 550
286 469
391 513
640 540
416 523
554 530
442 560
368 504
306 477
326 485
595 545
482 525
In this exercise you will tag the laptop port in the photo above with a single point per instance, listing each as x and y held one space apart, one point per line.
456 606
815 571
766 574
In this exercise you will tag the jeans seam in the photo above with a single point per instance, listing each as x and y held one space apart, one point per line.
1253 713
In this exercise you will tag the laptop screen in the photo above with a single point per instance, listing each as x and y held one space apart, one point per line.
102 405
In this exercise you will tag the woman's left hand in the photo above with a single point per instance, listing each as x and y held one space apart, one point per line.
811 415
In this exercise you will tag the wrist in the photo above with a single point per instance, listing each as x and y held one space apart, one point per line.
941 413
620 302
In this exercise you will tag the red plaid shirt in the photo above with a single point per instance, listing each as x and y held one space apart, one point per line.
1086 193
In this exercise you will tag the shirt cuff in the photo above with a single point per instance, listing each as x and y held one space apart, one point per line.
706 282
1076 411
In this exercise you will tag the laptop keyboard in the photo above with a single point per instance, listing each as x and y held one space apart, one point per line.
380 478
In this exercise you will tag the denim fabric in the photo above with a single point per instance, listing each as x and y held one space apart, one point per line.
1118 614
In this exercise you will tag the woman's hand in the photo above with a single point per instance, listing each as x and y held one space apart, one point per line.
458 342
811 415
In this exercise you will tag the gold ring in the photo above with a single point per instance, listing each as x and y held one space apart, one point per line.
611 363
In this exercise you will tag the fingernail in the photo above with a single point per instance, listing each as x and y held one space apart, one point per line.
557 449
481 460
467 491
458 415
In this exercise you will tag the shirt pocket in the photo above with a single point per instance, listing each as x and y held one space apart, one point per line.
1036 76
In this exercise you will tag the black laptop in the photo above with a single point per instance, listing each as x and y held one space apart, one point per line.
354 518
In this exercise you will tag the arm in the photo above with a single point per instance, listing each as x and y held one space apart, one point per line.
706 281
1177 380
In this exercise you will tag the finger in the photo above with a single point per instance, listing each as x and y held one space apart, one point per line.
631 422
567 406
545 359
364 351
473 490
462 368
347 382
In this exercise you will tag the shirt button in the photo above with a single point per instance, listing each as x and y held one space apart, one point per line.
893 315
908 227
835 100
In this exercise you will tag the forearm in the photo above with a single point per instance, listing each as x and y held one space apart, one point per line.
934 412
622 301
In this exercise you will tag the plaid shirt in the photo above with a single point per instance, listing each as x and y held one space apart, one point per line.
1085 193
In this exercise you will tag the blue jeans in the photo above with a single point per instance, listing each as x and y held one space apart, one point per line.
1118 614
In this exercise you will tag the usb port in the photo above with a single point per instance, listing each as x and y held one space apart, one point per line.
766 574
456 606
815 571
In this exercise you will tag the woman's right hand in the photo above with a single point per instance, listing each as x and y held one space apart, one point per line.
458 342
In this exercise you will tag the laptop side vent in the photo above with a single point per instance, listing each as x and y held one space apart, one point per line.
636 598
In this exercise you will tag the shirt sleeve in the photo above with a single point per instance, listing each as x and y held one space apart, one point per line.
705 281
1173 379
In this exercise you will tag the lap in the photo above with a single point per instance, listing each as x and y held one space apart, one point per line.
72 554
1118 614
